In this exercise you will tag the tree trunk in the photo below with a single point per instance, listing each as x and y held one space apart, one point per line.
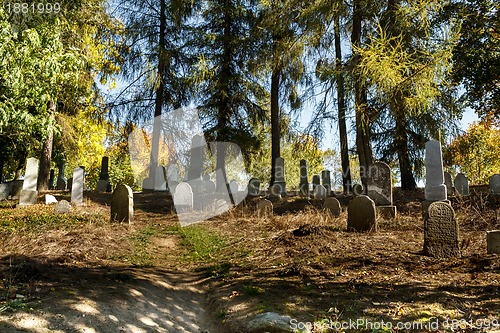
46 157
275 120
401 143
344 149
363 144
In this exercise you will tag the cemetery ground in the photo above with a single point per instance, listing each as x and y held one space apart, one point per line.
78 272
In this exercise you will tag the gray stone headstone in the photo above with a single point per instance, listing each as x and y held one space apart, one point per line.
462 184
61 180
326 181
333 206
304 181
16 186
183 197
320 192
77 185
495 184
279 174
361 214
196 158
4 191
28 195
379 184
62 207
441 231
493 241
122 204
102 185
264 207
254 187
435 189
448 181
275 192
160 181
316 180
210 186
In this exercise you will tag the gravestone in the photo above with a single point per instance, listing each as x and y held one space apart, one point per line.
196 158
279 174
264 207
234 188
210 186
316 180
61 181
29 194
50 199
16 186
448 181
304 182
183 197
275 193
435 189
102 185
441 231
493 241
495 184
51 179
357 189
4 191
379 186
462 184
326 181
361 214
160 181
254 187
333 206
77 184
172 177
70 183
62 207
122 204
320 192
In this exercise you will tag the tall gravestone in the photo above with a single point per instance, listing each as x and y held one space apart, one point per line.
316 180
304 182
51 179
61 180
441 231
448 181
361 214
495 184
461 184
279 174
197 151
77 186
435 189
379 186
29 193
326 181
102 185
122 204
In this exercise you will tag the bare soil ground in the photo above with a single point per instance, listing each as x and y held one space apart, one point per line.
81 273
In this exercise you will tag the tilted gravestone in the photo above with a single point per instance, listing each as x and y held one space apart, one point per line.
183 197
462 184
379 186
441 231
435 189
102 185
264 207
495 184
361 214
254 187
320 192
333 206
29 193
448 181
77 185
304 182
326 181
122 204
279 174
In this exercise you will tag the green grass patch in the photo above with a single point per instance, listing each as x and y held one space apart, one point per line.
201 244
252 290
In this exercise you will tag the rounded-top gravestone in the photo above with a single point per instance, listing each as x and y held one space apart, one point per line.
361 214
333 206
122 204
441 231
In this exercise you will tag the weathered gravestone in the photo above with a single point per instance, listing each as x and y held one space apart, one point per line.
462 184
304 182
183 197
16 186
172 177
210 186
333 206
160 179
279 174
62 207
320 192
326 181
493 241
61 181
102 185
379 186
77 185
264 207
254 187
435 189
448 181
29 193
196 158
275 192
440 231
122 204
361 214
4 191
495 184
357 189
316 180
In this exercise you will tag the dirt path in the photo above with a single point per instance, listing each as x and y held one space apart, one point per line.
105 300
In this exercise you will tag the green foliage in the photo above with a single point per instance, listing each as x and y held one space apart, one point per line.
201 244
